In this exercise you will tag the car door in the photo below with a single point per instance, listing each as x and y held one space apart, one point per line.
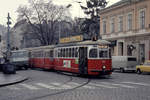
146 67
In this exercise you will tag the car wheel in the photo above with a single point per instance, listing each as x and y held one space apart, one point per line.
121 70
138 71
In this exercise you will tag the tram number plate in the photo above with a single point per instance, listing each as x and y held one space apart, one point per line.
67 63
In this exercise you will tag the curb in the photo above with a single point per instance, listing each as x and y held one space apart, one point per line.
14 82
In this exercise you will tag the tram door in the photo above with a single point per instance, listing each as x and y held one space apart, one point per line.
83 60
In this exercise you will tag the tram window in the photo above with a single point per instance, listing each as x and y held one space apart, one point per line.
76 52
73 52
103 53
63 52
32 54
46 54
36 54
40 54
59 53
51 53
56 53
69 52
93 53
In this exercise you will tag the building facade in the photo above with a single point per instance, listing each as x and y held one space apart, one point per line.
127 25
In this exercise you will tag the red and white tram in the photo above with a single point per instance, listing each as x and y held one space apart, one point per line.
88 57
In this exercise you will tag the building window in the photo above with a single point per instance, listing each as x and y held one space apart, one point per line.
112 25
142 19
104 26
129 23
120 48
120 24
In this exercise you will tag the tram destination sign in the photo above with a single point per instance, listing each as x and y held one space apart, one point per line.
71 39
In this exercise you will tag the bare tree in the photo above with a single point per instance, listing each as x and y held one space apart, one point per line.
43 17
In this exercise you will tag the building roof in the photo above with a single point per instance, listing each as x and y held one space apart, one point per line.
119 4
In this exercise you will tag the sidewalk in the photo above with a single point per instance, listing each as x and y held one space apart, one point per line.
9 79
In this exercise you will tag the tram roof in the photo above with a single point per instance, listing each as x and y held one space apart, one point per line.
40 47
98 42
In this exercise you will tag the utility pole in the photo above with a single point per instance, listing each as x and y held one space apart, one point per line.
8 37
8 68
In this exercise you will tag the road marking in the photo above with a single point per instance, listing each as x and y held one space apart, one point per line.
29 86
13 88
88 86
73 83
144 84
121 85
46 86
66 86
100 85
77 84
56 84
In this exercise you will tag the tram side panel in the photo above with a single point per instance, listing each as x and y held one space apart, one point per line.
66 59
64 64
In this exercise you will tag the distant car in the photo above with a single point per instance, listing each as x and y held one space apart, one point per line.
20 59
143 68
124 63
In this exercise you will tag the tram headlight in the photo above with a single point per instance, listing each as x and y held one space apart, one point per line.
104 67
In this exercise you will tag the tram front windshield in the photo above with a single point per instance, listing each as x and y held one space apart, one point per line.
99 53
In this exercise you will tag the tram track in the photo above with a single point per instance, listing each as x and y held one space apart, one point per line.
62 91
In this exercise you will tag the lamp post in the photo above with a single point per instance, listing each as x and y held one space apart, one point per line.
7 67
8 38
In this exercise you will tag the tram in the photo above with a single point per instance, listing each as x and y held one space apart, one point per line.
87 58
84 58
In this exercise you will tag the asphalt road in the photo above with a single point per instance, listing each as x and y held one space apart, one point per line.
44 85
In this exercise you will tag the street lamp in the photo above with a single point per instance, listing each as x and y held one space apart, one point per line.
8 38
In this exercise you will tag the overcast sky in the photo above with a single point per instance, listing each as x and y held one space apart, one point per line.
12 5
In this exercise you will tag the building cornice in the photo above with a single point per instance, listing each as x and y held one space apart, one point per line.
119 4
128 34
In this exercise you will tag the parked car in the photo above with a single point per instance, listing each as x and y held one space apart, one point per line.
143 68
124 63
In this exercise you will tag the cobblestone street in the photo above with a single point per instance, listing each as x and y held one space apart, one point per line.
45 85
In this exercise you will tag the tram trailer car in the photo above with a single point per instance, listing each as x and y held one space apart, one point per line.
20 58
87 58
42 57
